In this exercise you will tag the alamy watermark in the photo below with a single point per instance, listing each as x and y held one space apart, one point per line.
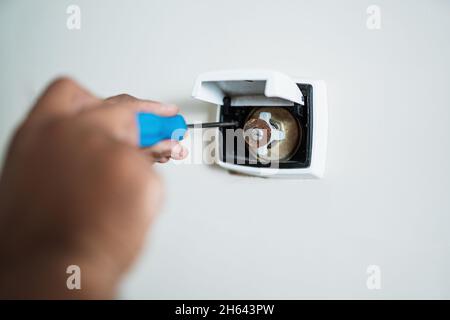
73 281
73 21
373 21
374 277
229 146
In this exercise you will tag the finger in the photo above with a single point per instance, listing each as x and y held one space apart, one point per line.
162 149
119 119
184 153
167 148
162 109
179 152
115 121
164 160
63 97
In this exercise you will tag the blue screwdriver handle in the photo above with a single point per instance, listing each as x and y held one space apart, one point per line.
154 128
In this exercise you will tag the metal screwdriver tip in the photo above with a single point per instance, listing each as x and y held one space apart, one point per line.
213 124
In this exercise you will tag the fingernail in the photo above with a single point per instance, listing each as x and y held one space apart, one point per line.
177 151
184 152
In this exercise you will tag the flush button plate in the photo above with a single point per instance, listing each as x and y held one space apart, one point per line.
261 88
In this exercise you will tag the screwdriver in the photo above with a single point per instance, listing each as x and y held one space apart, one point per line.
154 128
213 124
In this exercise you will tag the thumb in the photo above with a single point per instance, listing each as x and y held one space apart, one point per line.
118 117
117 121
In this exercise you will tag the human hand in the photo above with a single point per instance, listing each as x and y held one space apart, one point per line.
76 190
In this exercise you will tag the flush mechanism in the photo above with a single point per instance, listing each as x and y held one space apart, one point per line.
272 134
262 133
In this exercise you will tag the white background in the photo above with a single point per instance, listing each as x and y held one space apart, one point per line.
385 197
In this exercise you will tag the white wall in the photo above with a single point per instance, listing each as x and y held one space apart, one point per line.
384 199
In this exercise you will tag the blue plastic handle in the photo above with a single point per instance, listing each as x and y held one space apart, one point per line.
154 128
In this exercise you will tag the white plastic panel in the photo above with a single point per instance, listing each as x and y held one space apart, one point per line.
319 139
246 85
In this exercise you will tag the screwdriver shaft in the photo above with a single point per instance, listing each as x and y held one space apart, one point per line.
213 124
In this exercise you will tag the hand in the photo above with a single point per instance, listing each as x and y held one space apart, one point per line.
75 190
